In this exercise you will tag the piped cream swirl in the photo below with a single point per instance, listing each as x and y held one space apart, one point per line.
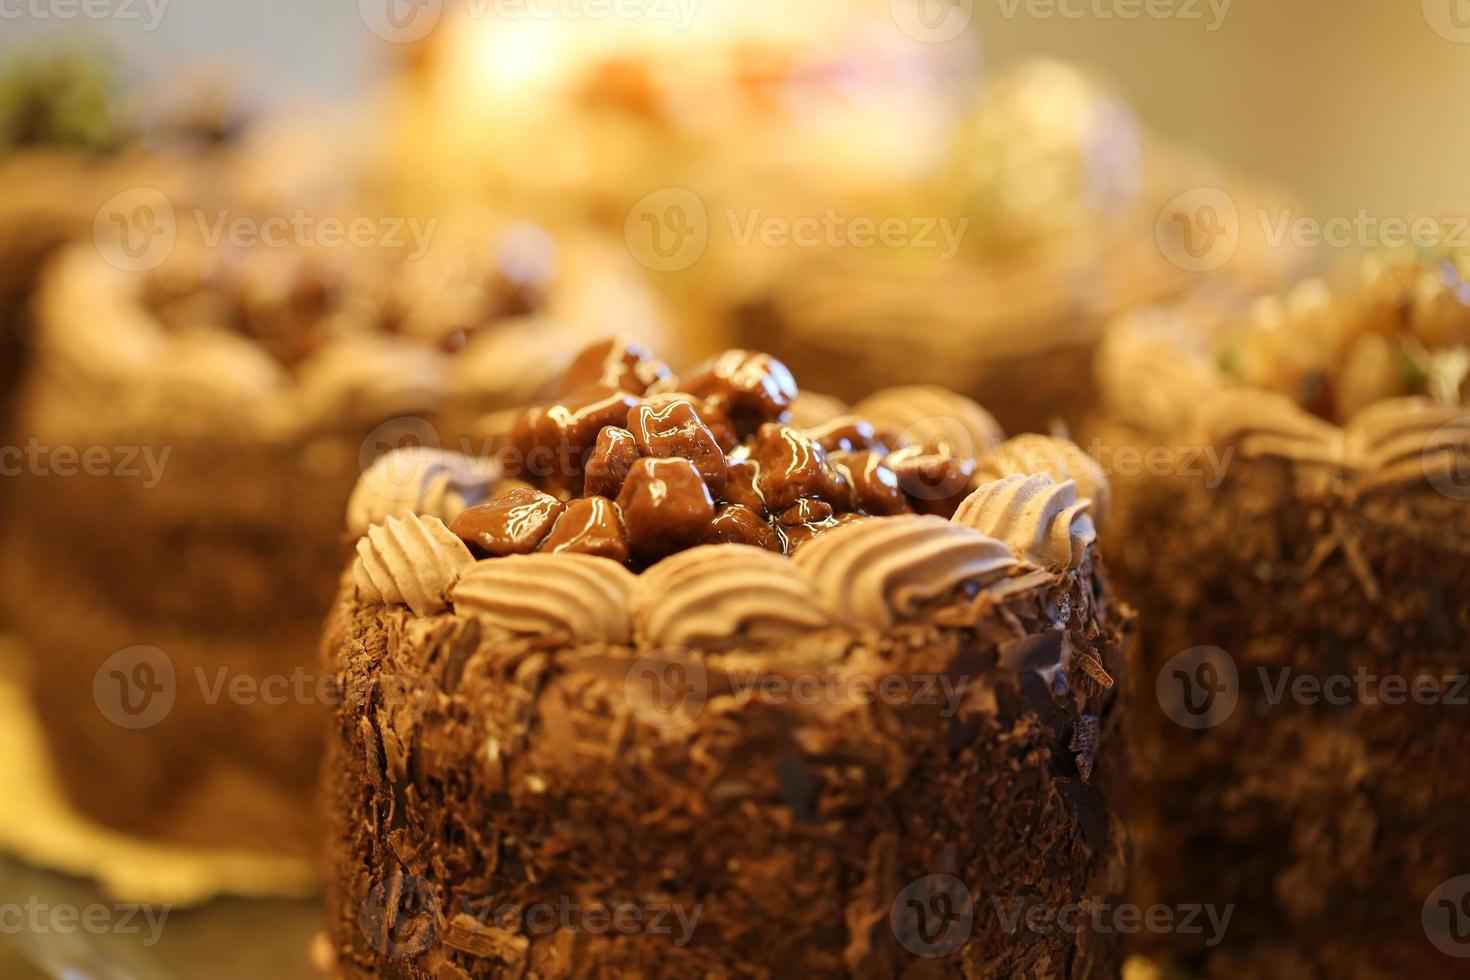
584 598
876 571
1043 521
1060 459
418 480
409 561
1406 441
933 417
1263 423
717 593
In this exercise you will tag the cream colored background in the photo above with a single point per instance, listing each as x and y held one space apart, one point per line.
1353 103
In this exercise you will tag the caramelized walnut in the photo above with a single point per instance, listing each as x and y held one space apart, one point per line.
615 364
935 483
666 506
676 430
615 453
735 524
875 488
742 483
590 526
805 511
793 466
513 523
846 433
550 443
753 388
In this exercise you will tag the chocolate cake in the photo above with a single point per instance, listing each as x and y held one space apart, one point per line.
189 435
1041 227
1291 518
668 704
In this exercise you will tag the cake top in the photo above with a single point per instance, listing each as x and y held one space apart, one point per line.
635 481
266 339
1399 326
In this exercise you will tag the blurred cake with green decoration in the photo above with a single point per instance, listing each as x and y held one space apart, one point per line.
1292 496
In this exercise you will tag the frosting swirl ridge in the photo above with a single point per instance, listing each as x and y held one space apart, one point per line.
879 570
418 480
409 561
1060 459
1042 520
716 593
582 597
935 418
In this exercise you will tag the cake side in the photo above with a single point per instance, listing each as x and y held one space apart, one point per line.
499 775
1303 637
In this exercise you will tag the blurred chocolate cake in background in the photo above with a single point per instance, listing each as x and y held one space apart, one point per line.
195 421
1041 224
568 697
1291 516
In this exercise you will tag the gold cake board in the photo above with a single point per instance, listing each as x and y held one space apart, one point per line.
39 827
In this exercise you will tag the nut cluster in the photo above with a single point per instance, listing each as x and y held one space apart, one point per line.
293 303
633 464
